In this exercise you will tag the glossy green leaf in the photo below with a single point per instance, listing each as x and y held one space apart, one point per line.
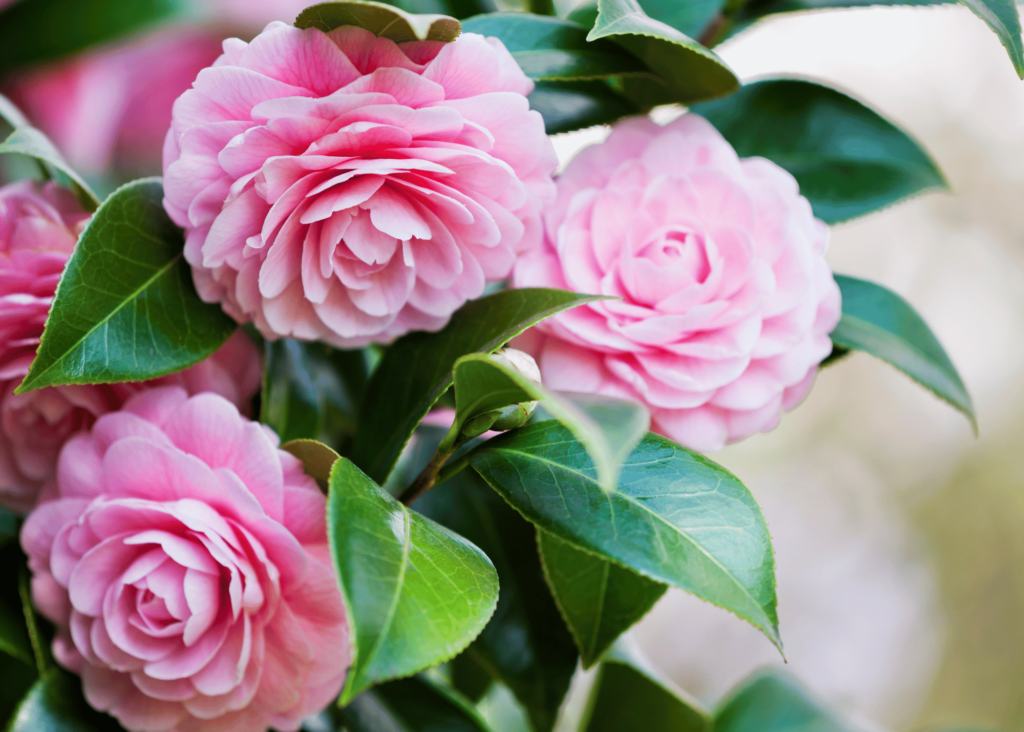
55 704
317 458
1001 16
628 695
33 31
386 21
690 71
126 308
568 106
608 428
675 516
312 391
690 18
526 645
416 593
773 701
417 369
33 143
548 48
878 321
416 704
599 599
454 8
848 159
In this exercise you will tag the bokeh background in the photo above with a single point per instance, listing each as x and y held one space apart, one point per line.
899 536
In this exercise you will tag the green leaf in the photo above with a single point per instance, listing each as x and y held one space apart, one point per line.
848 159
548 48
126 308
599 599
773 701
33 143
690 71
312 391
1001 16
608 428
10 113
468 676
417 704
317 458
568 106
755 10
417 369
675 517
690 18
416 593
454 8
878 321
628 695
385 21
38 30
526 646
55 704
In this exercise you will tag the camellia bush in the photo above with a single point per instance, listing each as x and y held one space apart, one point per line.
362 411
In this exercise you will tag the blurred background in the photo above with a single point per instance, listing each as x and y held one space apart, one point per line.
899 536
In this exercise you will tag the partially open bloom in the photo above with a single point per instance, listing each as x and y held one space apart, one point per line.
39 225
727 302
185 564
340 187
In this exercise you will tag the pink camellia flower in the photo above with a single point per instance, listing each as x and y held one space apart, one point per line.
727 302
340 187
39 225
185 564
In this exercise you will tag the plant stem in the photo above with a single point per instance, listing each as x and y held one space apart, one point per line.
425 480
714 29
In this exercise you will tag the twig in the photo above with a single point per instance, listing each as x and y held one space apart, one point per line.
425 480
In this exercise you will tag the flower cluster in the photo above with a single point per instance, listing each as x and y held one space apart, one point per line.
344 188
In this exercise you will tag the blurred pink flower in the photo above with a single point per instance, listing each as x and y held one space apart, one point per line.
344 188
185 564
39 225
727 302
114 104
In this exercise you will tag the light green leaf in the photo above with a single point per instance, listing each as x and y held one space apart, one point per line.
773 701
416 593
690 71
551 49
675 516
628 695
317 458
608 428
126 308
690 18
848 159
10 113
416 704
312 391
878 321
55 704
1001 16
33 31
599 599
33 143
385 21
417 369
574 105
526 646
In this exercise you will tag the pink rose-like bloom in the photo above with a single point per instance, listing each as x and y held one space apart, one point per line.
727 302
337 186
39 226
185 564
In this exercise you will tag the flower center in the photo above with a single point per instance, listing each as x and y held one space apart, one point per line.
680 249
